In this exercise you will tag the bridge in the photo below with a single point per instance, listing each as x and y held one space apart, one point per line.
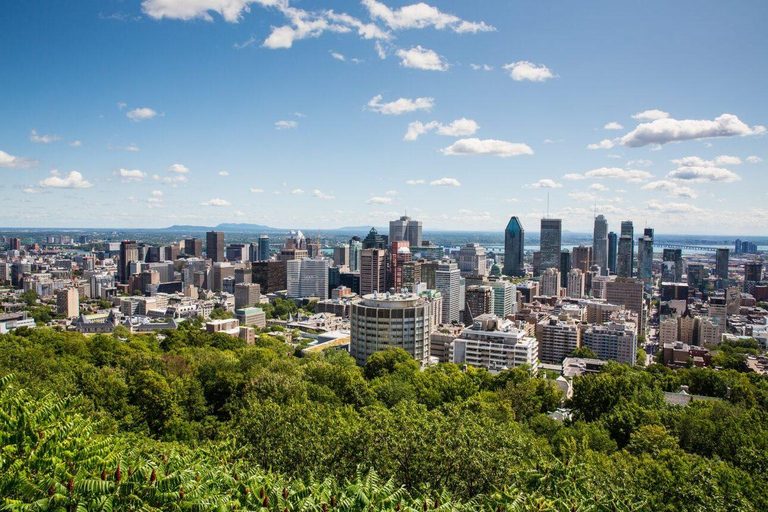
687 247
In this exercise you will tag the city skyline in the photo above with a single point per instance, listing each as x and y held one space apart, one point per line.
162 112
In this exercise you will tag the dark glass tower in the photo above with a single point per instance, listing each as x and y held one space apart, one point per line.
514 248
613 245
626 252
551 243
565 267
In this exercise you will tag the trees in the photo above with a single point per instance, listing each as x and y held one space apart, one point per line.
584 352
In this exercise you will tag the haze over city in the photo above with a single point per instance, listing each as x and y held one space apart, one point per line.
318 115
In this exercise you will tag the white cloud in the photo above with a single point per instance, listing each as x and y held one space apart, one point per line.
121 105
598 187
544 183
630 175
651 115
420 16
753 159
401 105
391 192
674 188
415 182
445 182
257 191
76 143
524 70
31 190
319 194
422 58
239 213
16 162
673 207
72 180
131 176
695 161
286 125
297 191
379 200
173 180
157 193
230 10
223 173
640 162
613 125
663 131
483 67
338 56
573 176
141 114
130 147
603 144
458 128
216 202
704 174
178 169
245 44
474 146
42 139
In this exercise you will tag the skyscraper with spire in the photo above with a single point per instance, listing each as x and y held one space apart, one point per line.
514 248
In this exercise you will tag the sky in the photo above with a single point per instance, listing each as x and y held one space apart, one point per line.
322 114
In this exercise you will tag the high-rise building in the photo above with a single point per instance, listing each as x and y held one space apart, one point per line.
626 253
355 246
697 276
600 243
307 277
514 248
448 283
373 271
565 267
399 256
129 252
263 248
405 229
68 302
412 273
341 255
575 284
550 282
472 260
557 339
645 258
626 292
294 247
494 343
672 266
721 264
613 250
193 247
382 321
504 298
374 241
238 252
214 246
478 301
616 341
581 258
753 274
247 295
550 243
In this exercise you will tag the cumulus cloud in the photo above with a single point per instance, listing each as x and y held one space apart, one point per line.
415 182
544 183
458 128
445 182
651 115
178 169
630 175
42 139
673 207
674 188
157 193
481 67
401 105
753 159
320 195
216 202
603 144
31 190
640 162
663 131
131 175
338 56
76 143
379 200
172 180
524 70
286 125
297 192
574 176
223 173
141 114
474 146
16 162
421 15
613 126
704 174
72 180
695 161
598 187
422 58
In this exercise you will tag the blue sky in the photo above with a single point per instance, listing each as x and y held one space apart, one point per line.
157 112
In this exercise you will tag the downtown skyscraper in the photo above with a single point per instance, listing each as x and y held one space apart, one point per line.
626 251
600 244
551 243
645 258
514 248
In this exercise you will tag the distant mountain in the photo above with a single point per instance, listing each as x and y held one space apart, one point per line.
226 227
